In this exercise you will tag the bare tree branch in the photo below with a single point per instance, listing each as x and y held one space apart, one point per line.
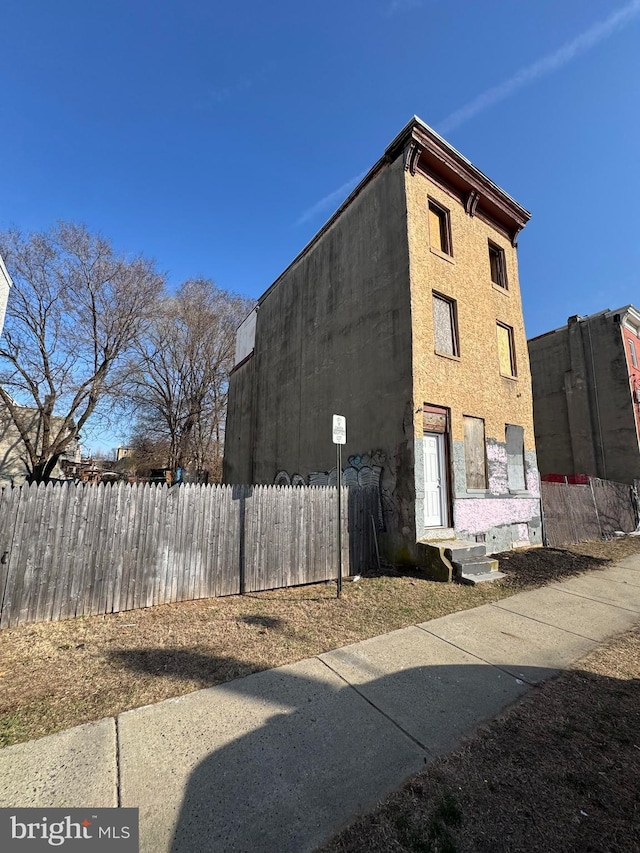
74 313
178 378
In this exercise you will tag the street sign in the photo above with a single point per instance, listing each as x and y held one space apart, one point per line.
339 438
339 429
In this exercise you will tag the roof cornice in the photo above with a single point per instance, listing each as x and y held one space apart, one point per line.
629 311
421 146
426 151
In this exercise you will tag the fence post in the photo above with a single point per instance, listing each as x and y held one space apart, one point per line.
241 544
543 523
595 506
635 501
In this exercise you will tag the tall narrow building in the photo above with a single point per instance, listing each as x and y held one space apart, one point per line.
404 315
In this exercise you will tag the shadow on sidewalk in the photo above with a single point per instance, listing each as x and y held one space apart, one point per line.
292 754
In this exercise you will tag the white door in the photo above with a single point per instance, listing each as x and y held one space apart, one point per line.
435 481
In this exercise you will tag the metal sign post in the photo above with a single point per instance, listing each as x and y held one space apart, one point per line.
339 438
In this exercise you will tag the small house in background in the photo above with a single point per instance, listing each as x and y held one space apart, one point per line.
14 469
586 396
404 315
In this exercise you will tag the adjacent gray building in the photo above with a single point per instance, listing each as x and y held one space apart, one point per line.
586 396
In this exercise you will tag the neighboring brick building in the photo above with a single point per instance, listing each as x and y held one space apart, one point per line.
403 314
586 396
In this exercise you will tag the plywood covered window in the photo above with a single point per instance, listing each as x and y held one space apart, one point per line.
435 419
475 453
514 436
506 350
498 265
439 228
445 326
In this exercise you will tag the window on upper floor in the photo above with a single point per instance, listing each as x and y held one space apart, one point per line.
445 325
475 455
514 437
506 350
439 228
497 262
632 353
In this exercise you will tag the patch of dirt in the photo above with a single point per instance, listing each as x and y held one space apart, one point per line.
558 773
539 566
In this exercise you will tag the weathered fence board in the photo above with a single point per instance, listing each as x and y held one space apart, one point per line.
78 550
364 522
576 513
614 503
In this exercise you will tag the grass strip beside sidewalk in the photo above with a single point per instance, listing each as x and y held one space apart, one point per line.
558 771
56 675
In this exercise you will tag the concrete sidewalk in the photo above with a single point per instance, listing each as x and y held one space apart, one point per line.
281 760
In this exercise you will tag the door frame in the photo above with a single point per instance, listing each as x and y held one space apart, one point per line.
436 422
444 480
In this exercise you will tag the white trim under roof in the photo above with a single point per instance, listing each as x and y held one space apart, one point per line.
5 286
4 273
630 317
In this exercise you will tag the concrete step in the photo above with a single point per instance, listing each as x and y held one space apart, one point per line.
475 565
463 547
472 580
473 570
461 550
441 556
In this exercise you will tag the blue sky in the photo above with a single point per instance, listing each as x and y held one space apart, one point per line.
218 138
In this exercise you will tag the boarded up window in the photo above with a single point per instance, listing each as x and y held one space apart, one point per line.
246 337
506 352
439 231
515 457
444 325
474 453
434 419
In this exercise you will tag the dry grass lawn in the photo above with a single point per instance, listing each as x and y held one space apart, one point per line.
558 773
57 675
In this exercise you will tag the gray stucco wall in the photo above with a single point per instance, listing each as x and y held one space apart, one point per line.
561 408
237 464
333 336
582 403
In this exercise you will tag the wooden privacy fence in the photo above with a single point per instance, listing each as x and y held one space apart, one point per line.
575 513
71 550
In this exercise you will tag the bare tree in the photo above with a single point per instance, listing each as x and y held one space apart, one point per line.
145 456
74 312
178 378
